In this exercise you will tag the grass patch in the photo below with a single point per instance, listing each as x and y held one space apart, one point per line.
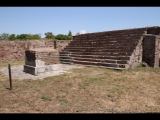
114 90
44 97
95 79
120 79
12 63
130 90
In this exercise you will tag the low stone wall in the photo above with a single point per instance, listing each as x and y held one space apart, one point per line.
15 50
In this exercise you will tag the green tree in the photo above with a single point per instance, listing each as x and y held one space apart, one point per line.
0 37
18 37
28 36
69 37
61 37
23 36
12 37
4 36
70 33
49 35
35 36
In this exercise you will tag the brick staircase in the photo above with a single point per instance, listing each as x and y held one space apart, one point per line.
112 49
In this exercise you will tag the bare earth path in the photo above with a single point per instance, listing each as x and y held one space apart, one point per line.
17 71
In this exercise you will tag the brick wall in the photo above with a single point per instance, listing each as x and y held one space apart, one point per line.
153 30
15 50
151 50
48 55
60 44
136 57
156 52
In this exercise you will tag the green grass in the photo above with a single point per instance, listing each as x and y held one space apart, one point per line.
44 97
90 87
12 63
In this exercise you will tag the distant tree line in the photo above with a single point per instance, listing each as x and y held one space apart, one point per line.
6 36
48 35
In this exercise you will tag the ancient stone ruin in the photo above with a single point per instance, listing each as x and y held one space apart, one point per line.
15 50
119 49
40 60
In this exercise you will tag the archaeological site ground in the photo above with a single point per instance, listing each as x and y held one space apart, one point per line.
104 72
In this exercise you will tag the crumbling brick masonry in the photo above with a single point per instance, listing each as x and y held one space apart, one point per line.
15 50
118 49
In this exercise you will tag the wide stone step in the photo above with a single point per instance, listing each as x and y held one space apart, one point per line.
89 47
104 43
108 35
129 49
105 39
121 64
100 53
97 57
98 50
63 58
100 47
108 38
122 59
65 62
94 60
116 68
113 65
86 46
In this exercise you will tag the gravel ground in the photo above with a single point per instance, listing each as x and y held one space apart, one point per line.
17 71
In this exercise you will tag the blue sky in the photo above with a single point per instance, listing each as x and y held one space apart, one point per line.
59 20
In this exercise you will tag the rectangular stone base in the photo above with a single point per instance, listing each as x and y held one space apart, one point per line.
36 70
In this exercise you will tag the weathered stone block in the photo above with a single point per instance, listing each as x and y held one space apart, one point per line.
40 60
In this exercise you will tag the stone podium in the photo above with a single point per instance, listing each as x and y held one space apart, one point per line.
40 60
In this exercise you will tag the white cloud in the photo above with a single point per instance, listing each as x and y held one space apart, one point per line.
82 31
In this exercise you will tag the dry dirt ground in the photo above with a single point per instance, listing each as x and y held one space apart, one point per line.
18 71
83 90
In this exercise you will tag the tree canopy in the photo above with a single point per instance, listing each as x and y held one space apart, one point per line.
4 36
48 35
70 33
12 37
